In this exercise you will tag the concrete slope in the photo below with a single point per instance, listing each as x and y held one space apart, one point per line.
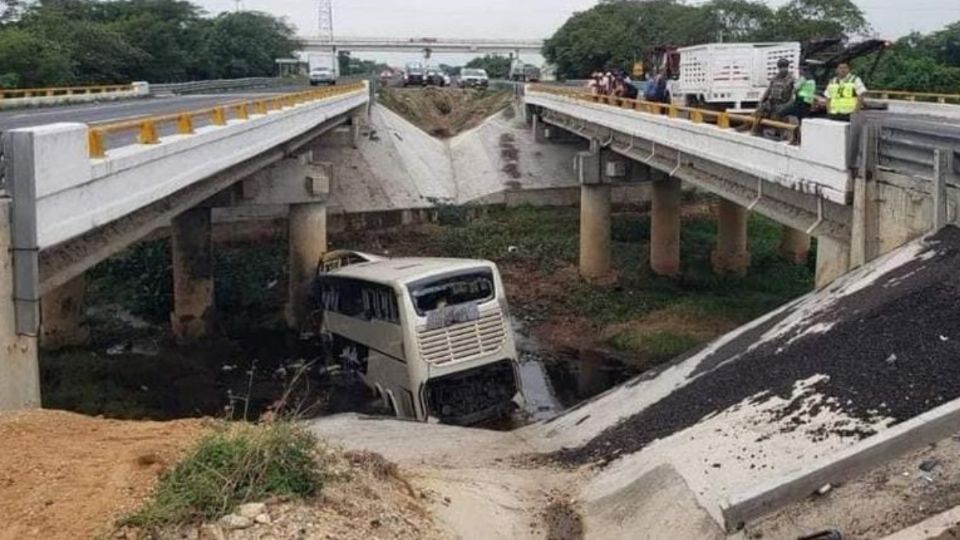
782 393
400 166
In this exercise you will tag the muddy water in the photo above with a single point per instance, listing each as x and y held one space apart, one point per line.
555 380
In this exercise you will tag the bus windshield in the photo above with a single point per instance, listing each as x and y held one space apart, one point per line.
470 288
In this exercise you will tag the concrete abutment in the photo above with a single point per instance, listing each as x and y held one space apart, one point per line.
731 255
193 283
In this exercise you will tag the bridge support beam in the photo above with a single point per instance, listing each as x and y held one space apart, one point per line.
307 228
19 366
731 255
61 316
539 127
193 285
833 261
595 203
665 225
794 245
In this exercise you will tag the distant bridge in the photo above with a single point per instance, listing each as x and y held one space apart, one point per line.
434 45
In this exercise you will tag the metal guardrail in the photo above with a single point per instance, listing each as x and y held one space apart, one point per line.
148 129
921 97
723 120
908 146
216 85
19 93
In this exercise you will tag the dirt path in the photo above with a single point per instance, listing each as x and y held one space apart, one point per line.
68 476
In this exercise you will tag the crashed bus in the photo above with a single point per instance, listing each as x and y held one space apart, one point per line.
430 336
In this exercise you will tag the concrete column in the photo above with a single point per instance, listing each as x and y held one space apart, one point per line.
665 227
193 300
61 316
308 242
730 255
833 261
595 202
794 245
539 130
19 367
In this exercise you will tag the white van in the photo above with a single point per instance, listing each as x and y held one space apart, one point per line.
432 337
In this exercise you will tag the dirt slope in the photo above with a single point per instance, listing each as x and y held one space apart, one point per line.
68 476
444 112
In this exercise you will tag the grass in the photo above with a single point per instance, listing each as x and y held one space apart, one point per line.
239 463
656 346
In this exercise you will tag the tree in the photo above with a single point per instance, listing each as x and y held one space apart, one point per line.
27 60
496 66
246 44
738 20
801 20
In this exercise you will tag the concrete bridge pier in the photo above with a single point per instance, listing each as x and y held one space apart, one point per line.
833 261
665 225
61 316
731 255
595 205
307 226
193 284
794 245
19 366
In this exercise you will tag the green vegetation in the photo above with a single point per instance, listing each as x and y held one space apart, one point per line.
656 346
117 41
237 464
923 63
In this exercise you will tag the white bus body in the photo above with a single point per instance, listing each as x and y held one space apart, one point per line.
731 74
431 336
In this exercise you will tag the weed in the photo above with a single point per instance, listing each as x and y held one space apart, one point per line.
237 464
656 346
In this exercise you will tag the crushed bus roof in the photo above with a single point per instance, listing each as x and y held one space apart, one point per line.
406 269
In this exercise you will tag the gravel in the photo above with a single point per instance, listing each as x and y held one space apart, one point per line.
910 314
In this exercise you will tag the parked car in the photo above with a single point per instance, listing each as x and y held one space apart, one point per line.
473 78
322 75
436 77
414 75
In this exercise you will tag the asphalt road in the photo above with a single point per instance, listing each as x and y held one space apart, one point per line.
129 109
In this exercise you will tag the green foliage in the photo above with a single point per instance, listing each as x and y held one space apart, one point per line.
238 464
921 63
116 41
622 32
497 66
354 66
656 346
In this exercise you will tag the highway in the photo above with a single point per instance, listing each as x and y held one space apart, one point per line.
92 113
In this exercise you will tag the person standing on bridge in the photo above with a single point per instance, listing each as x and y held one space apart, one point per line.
844 94
778 97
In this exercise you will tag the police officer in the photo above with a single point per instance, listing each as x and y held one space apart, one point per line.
844 94
778 96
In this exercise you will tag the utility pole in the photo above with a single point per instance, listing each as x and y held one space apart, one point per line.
239 5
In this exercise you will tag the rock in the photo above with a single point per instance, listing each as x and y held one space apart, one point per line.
251 510
263 519
233 522
929 464
211 532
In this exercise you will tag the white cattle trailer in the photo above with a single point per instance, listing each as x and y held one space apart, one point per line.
731 76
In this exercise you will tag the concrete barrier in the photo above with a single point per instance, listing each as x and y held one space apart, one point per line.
52 97
892 443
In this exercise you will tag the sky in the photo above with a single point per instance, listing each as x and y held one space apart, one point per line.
529 18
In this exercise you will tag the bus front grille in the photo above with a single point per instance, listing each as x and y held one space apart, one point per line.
463 341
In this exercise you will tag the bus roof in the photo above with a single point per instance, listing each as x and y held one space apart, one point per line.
406 269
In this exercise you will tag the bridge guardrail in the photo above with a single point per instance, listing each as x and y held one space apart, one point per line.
919 97
216 85
721 119
148 129
20 93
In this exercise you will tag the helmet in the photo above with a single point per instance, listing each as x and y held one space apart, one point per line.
783 62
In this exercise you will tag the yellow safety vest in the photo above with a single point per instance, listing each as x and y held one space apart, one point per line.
843 95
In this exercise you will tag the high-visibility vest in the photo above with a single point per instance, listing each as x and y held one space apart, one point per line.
807 90
843 95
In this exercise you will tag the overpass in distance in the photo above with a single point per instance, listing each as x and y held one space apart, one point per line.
434 45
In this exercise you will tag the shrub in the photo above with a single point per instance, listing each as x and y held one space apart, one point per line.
237 464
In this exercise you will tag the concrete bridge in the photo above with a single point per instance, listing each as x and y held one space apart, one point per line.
436 45
861 190
77 194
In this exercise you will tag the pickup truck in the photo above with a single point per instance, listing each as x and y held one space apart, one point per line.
322 75
473 78
414 75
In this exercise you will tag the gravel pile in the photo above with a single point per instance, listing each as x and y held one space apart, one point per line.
890 350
